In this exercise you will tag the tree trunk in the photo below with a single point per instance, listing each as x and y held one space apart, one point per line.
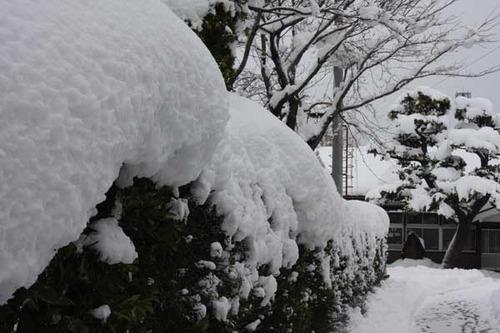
293 109
452 256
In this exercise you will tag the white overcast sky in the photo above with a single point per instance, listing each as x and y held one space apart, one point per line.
472 12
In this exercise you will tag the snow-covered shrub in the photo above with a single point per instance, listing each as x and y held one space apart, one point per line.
207 226
129 84
300 252
291 259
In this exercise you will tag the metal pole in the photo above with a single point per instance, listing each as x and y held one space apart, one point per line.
338 137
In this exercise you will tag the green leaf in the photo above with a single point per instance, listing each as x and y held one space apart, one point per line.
50 296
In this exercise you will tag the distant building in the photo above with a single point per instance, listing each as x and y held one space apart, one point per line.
483 247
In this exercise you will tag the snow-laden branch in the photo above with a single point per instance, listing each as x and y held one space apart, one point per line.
398 41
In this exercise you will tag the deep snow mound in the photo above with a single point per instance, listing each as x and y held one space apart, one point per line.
86 87
274 193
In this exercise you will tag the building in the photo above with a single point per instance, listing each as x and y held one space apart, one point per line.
483 247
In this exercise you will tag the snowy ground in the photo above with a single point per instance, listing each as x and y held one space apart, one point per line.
420 297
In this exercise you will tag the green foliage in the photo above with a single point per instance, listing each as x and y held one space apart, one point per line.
422 104
305 303
218 33
161 290
144 296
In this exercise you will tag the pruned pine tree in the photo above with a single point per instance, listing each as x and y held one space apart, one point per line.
293 46
432 135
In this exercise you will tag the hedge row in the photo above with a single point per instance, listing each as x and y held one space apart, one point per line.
167 290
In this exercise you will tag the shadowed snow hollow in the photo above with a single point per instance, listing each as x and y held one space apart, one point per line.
86 87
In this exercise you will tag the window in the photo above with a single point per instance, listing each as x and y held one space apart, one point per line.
396 218
429 235
412 218
429 219
490 241
431 238
395 238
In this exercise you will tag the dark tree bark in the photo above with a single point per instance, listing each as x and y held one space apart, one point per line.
452 256
293 104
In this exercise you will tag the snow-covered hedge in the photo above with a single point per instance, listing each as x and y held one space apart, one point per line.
84 89
218 225
306 252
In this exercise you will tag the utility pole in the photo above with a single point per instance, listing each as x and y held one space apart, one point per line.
338 135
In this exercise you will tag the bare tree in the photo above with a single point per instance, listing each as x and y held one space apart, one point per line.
380 45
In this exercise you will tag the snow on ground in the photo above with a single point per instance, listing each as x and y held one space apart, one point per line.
86 87
419 297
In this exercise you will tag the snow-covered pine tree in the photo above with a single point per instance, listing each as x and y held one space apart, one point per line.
431 134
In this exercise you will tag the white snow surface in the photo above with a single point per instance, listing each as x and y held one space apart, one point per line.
86 87
418 297
274 193
221 308
476 106
109 240
102 312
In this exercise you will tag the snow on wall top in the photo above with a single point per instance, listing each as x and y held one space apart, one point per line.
274 193
84 88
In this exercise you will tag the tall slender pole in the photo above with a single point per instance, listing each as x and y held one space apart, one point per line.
338 136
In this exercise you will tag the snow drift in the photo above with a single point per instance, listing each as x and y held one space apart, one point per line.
86 87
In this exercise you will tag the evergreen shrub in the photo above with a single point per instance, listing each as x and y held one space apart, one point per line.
166 289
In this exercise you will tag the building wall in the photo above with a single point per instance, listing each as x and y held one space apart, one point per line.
482 250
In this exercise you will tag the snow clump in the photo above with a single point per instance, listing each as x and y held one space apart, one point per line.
109 240
102 312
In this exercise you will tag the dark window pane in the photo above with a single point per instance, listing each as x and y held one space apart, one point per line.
396 218
429 219
412 218
491 242
395 236
494 241
496 248
484 241
431 239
